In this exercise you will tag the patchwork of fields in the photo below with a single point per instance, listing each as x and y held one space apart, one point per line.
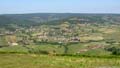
64 40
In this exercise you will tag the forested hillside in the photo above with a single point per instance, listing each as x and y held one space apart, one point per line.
38 18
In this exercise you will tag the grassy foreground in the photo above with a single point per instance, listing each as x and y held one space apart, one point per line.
47 61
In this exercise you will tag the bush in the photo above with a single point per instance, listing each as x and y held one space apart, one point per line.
38 52
114 50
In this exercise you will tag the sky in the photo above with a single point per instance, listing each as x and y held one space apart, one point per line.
59 6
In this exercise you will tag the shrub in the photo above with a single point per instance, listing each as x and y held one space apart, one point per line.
114 50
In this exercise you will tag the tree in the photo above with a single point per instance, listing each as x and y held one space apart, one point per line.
65 45
114 50
3 41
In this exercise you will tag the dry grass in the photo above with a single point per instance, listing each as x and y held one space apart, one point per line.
45 61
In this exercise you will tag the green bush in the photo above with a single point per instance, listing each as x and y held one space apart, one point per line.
114 50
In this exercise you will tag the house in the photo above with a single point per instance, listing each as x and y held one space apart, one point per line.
74 39
12 43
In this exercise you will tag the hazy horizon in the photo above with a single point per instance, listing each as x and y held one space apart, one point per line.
59 6
56 13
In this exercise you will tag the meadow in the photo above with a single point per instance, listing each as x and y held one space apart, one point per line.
49 61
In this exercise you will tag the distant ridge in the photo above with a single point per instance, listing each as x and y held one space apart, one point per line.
29 19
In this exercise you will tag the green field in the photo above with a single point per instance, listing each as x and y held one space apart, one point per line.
72 49
48 61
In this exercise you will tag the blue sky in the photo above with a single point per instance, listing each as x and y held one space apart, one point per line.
59 6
